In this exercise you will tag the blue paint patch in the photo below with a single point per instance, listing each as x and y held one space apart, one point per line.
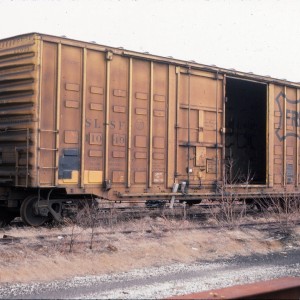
68 162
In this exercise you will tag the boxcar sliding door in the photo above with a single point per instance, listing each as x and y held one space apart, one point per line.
199 123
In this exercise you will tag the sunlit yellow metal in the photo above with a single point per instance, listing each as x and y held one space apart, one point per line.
150 127
107 107
284 134
115 134
270 136
129 142
83 108
297 139
58 99
92 177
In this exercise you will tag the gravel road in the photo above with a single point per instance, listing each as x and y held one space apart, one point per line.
164 281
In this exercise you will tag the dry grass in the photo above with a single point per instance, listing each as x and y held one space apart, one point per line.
36 259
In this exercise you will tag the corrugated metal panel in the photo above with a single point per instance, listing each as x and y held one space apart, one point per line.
18 97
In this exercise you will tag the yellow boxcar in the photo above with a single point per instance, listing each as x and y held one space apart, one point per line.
81 119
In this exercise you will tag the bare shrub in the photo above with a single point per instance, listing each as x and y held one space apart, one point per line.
75 232
79 222
87 218
93 218
231 208
284 210
229 211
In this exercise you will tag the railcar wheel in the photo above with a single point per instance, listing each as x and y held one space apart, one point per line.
29 212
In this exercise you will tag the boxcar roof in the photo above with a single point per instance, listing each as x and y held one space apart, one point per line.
162 59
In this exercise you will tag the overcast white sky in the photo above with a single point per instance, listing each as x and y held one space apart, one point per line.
259 36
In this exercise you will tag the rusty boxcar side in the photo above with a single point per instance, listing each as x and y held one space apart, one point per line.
84 119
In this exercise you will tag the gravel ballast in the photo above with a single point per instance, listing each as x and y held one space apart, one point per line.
162 282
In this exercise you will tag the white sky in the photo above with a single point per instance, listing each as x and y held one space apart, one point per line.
259 36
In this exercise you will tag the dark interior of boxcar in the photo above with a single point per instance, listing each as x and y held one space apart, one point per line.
245 138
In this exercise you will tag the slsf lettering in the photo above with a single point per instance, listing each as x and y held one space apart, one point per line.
119 125
96 123
92 123
292 118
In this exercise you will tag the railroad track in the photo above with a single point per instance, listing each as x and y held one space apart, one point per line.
111 215
155 231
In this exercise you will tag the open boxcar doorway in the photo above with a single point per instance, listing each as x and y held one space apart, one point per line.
245 134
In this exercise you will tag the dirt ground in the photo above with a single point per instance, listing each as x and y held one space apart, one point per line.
47 254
